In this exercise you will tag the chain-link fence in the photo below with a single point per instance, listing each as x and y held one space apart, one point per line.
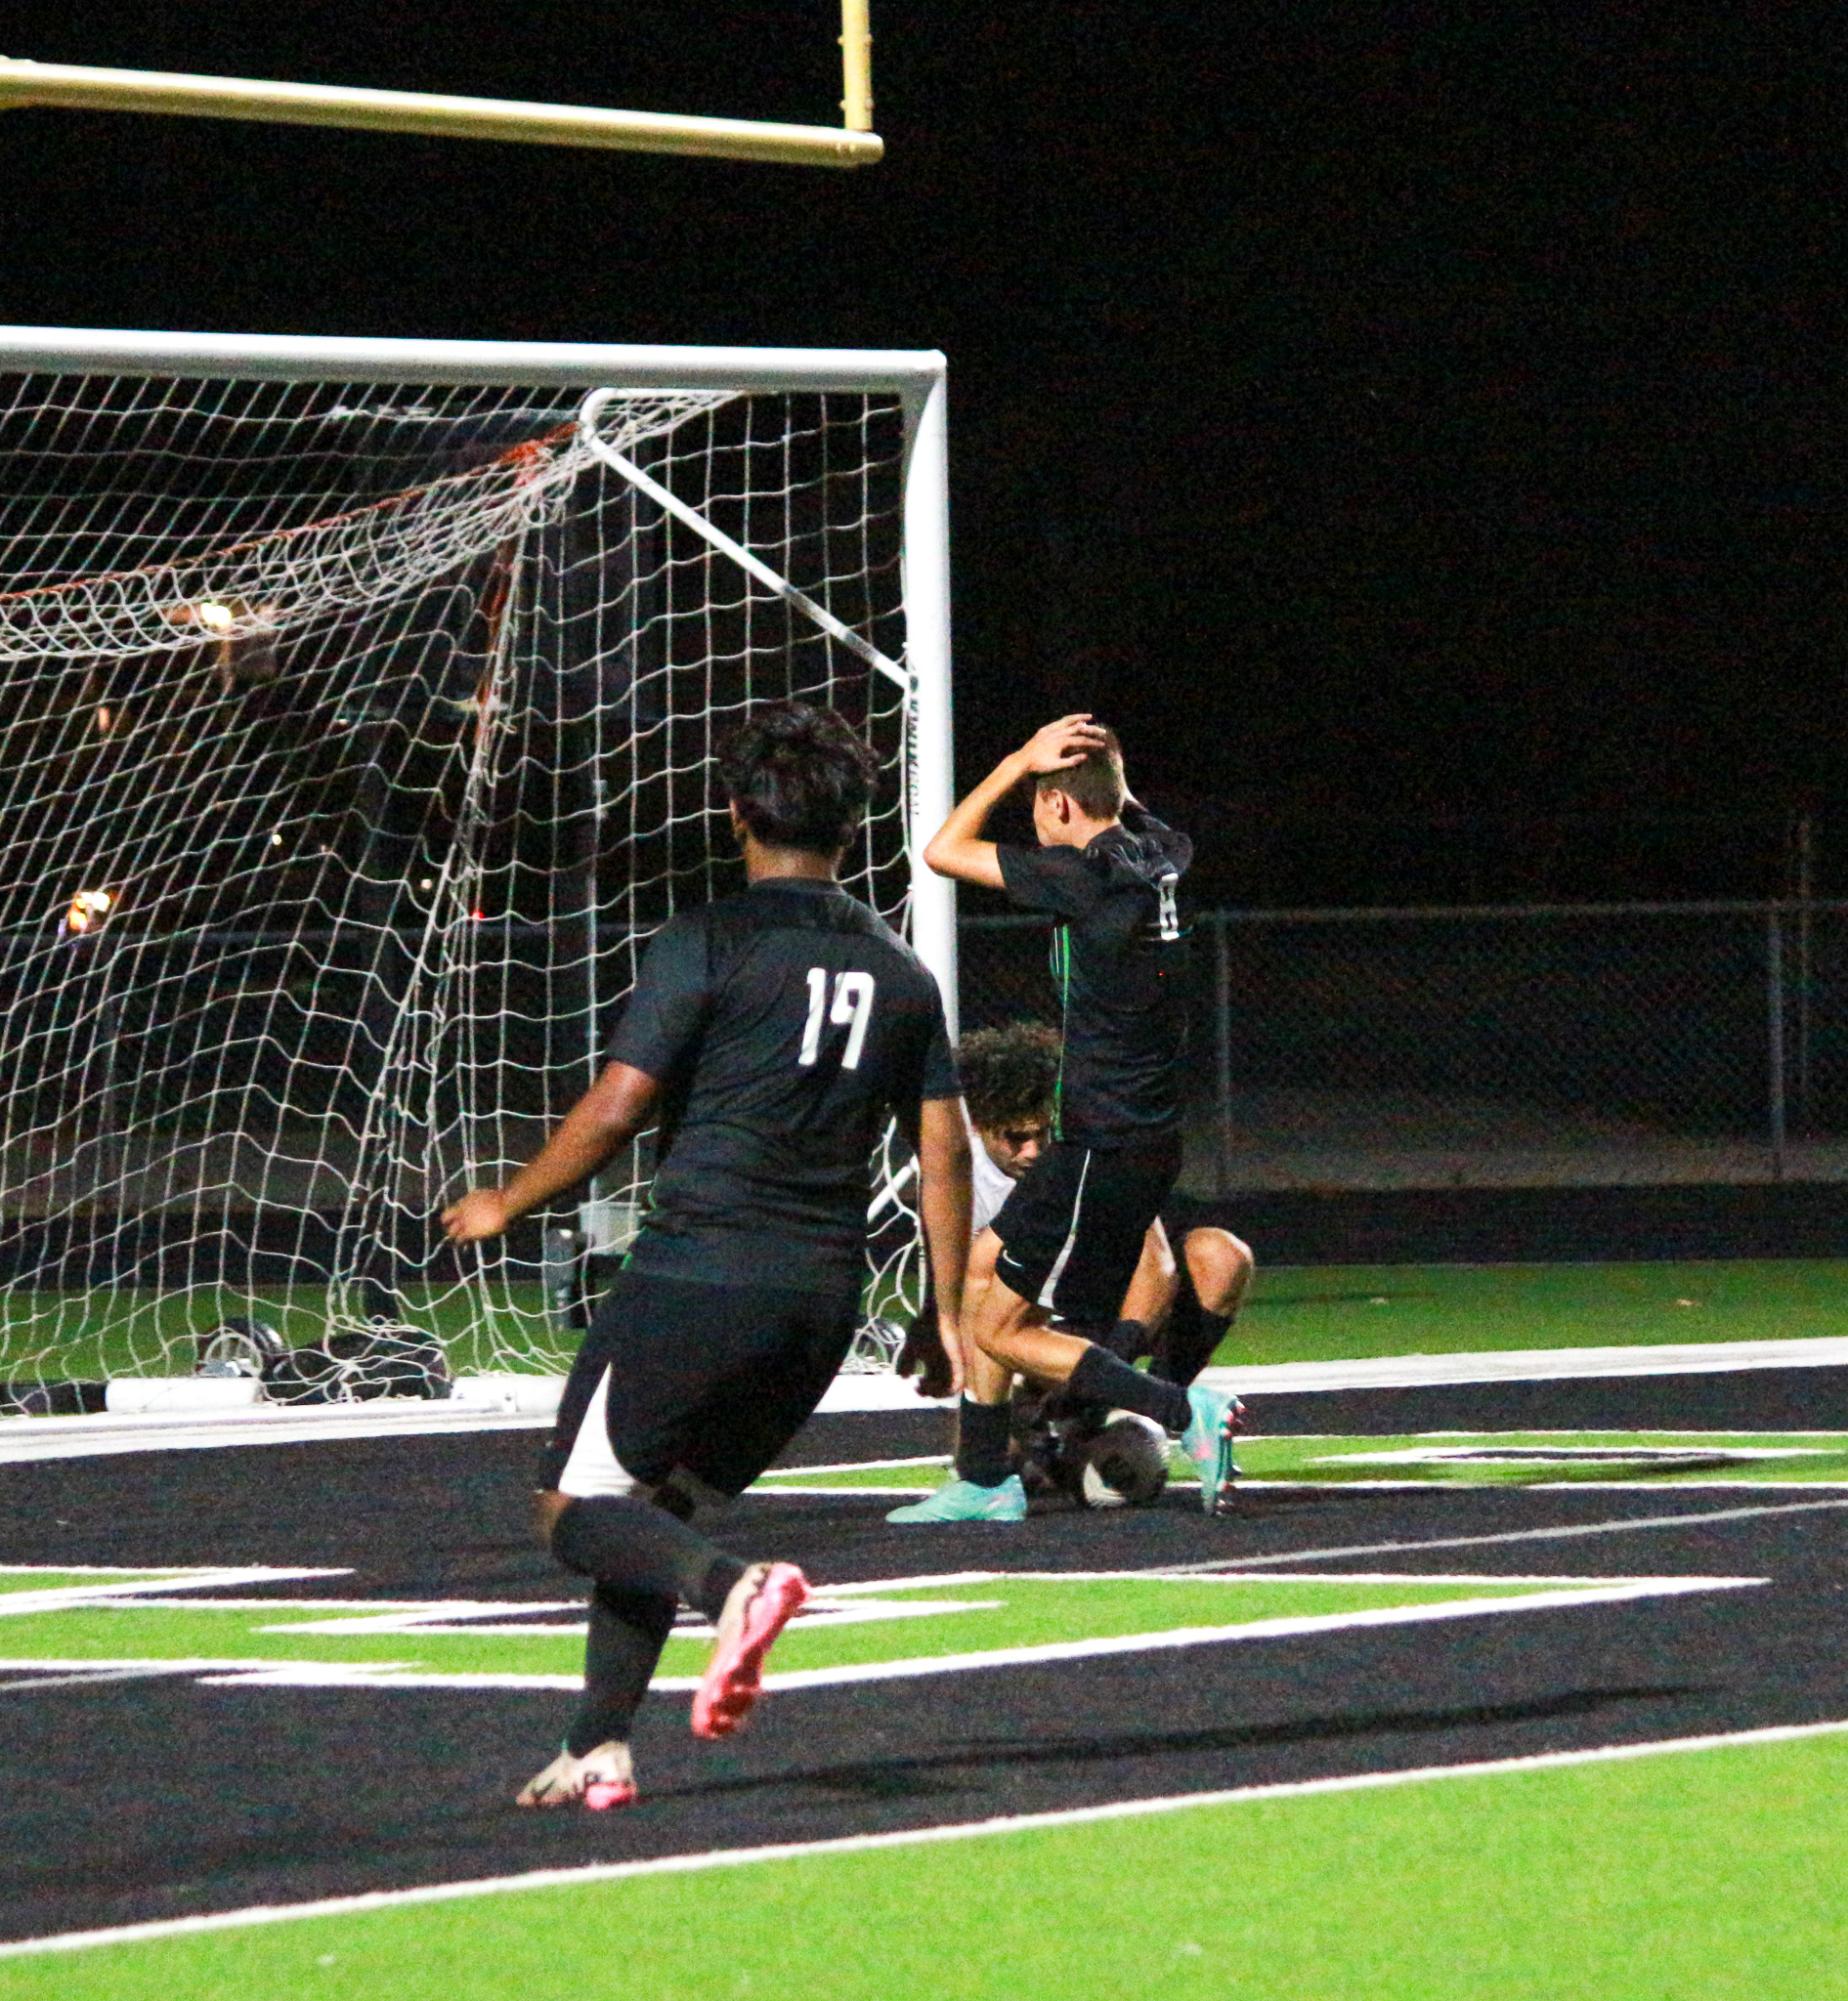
1502 1047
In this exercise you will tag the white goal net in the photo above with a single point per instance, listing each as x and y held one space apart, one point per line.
358 734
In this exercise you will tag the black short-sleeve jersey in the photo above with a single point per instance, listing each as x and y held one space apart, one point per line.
784 1024
1119 962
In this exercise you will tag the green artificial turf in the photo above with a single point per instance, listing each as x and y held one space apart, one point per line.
1296 1314
1709 1873
1351 1312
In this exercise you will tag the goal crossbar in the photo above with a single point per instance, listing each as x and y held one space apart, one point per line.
88 87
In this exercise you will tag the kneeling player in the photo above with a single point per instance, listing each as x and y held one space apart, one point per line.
1177 1309
770 1034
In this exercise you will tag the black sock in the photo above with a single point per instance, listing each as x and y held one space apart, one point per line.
1100 1376
630 1543
1128 1340
1185 1349
628 1629
981 1442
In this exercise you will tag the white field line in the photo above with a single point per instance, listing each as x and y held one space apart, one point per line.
918 1837
27 1439
1618 1526
1534 1365
1264 1483
111 1677
780 1473
1434 1453
843 1492
371 1675
15 1603
818 1614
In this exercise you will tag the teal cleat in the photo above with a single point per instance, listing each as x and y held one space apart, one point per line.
1207 1441
964 1501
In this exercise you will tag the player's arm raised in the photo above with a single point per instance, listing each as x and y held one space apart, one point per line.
943 1202
958 849
615 1108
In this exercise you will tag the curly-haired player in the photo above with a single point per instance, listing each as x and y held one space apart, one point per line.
1179 1304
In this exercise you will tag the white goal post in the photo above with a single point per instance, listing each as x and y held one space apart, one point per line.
361 700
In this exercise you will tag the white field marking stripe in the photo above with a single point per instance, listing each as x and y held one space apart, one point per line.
1532 1365
385 1674
106 1677
14 1603
1672 1438
376 1617
908 1837
1673 1485
1434 1454
323 1674
780 1488
1690 1483
200 1664
1259 1482
862 1466
815 1616
28 1440
1618 1526
1592 1431
98 1569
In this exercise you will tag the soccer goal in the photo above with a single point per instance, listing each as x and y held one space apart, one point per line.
360 713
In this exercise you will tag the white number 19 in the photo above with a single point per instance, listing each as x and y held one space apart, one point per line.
853 1003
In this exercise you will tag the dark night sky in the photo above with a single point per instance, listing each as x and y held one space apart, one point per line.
1421 431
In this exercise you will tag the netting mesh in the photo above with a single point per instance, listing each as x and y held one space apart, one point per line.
358 736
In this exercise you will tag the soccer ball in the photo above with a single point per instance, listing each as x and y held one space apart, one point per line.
1125 1465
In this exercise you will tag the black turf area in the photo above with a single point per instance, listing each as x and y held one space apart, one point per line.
160 1797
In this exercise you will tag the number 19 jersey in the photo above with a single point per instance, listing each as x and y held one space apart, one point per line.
784 1025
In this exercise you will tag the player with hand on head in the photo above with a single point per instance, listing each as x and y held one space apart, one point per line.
1108 873
769 1034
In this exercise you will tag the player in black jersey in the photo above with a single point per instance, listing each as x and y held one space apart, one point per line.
1108 873
770 1035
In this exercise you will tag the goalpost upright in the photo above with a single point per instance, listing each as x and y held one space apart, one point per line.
702 379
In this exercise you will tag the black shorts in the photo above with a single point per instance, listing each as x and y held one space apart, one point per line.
702 1385
1072 1230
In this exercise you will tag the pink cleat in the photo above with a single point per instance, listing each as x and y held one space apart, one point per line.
760 1605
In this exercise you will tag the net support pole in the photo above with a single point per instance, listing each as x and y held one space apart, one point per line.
1774 1035
927 655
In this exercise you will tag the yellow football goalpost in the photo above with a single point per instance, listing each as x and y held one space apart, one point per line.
853 144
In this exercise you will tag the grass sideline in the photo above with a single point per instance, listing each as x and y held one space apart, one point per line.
1296 1314
1680 1872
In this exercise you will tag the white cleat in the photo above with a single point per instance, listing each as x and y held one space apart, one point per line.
599 1780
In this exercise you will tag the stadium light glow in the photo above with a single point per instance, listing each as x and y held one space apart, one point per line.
87 910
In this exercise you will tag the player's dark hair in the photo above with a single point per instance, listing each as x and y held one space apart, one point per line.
1009 1074
1096 785
799 776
